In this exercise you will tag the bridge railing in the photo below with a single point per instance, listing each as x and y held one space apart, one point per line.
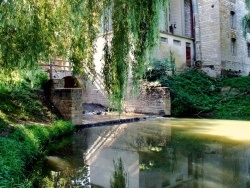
56 65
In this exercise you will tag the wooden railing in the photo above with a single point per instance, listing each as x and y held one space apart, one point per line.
53 65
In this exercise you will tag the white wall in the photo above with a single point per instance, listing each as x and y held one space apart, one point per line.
179 50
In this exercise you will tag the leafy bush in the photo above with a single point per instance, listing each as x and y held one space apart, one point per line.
241 83
159 70
193 93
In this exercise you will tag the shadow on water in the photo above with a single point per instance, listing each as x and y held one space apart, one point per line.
156 153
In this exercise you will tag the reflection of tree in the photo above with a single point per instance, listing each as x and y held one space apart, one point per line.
158 151
67 178
119 178
181 140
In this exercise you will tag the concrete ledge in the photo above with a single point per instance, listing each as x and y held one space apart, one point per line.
96 120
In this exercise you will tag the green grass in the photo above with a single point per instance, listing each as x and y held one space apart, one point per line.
23 146
22 136
20 94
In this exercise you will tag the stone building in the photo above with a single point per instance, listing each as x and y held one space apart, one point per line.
202 33
222 44
206 33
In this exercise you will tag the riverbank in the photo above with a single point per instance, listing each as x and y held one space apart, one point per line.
196 95
23 146
27 125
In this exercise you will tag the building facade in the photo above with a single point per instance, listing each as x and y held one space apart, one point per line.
203 33
208 34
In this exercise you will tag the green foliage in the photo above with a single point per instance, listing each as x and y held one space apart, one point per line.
246 20
135 31
193 93
159 70
119 179
23 146
235 102
3 126
240 83
34 31
236 107
19 95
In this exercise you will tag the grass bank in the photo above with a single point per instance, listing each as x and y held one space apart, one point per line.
194 94
23 146
27 125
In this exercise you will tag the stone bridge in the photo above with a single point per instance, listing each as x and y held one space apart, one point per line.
68 94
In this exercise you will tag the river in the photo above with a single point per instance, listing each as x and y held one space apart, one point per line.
159 153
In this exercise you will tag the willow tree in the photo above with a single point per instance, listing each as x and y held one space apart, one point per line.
246 20
33 31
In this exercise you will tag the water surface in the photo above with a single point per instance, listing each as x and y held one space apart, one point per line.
154 154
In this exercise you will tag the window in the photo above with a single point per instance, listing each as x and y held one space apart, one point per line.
163 39
232 19
233 46
248 49
177 42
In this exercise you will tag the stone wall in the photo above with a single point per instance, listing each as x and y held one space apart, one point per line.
153 101
156 101
209 17
92 93
68 101
216 36
176 16
239 61
188 18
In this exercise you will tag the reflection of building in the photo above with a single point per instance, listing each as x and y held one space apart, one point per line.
112 143
151 160
102 167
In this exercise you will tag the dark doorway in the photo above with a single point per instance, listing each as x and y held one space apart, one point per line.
188 55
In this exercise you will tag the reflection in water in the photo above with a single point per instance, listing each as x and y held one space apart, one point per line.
66 178
119 178
158 153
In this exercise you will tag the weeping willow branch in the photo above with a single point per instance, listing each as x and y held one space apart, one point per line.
33 31
135 31
246 24
246 20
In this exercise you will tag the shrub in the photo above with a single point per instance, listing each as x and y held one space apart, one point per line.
193 93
